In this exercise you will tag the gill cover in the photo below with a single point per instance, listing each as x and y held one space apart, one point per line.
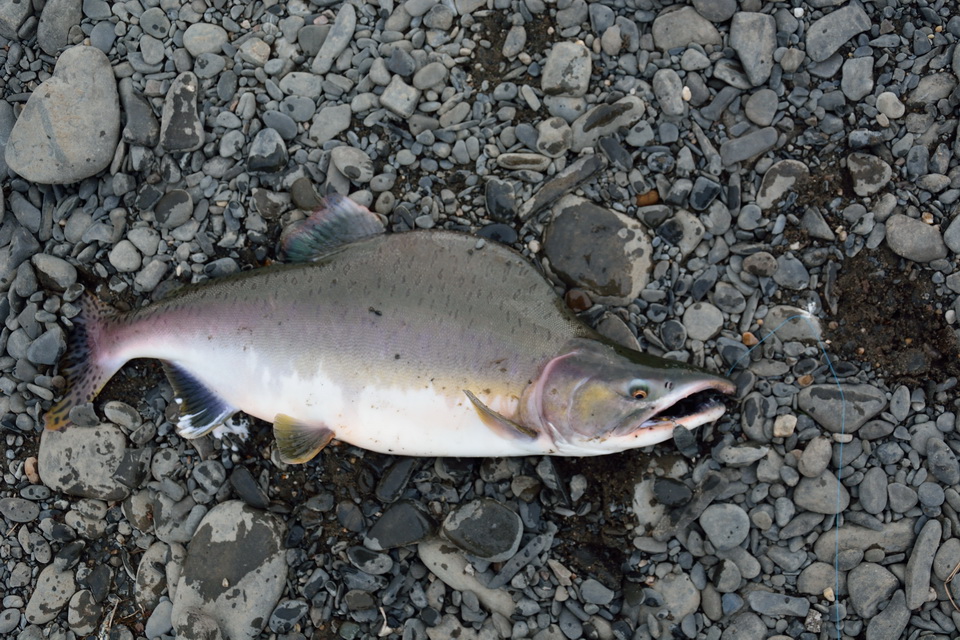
595 394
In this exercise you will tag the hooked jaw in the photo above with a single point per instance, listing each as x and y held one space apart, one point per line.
690 406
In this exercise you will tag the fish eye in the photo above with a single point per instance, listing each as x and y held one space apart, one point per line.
638 393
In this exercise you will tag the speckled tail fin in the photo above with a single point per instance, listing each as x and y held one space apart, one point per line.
298 442
337 222
201 410
82 365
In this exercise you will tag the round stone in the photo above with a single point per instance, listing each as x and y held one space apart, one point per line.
485 528
702 321
726 525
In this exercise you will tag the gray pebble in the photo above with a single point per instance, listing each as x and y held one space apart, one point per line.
901 498
777 604
203 37
673 29
19 510
913 239
870 585
668 88
857 80
873 491
339 36
726 525
70 126
566 71
267 152
823 494
834 29
754 37
400 98
942 462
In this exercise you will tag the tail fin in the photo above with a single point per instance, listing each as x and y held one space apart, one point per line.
81 364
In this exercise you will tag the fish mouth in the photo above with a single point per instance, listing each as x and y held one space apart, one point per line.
702 404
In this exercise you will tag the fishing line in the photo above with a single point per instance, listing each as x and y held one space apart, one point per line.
843 424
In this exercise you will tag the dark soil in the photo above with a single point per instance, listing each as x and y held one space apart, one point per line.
890 318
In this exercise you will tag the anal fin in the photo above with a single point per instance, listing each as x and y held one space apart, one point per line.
498 423
298 442
201 410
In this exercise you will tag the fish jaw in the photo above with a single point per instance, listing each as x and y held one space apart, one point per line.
596 398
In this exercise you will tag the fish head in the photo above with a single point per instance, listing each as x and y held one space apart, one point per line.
597 397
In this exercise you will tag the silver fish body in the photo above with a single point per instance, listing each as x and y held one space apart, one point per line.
420 343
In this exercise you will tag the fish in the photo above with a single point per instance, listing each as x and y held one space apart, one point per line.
420 343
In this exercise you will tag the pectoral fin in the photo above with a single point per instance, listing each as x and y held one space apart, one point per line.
499 424
298 442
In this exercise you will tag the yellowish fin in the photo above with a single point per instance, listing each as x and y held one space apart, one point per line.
298 442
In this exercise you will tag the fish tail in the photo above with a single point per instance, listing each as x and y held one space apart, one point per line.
83 365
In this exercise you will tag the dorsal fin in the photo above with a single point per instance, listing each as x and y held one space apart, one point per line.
201 410
337 222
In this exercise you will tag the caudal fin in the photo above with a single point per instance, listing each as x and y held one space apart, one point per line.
82 363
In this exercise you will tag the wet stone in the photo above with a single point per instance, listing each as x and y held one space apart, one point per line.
353 163
174 208
368 561
234 572
54 588
704 192
670 492
485 528
83 462
779 180
180 126
287 615
599 250
267 152
401 524
869 173
823 403
247 488
394 480
566 71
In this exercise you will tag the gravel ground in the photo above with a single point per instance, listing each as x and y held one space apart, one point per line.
691 177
